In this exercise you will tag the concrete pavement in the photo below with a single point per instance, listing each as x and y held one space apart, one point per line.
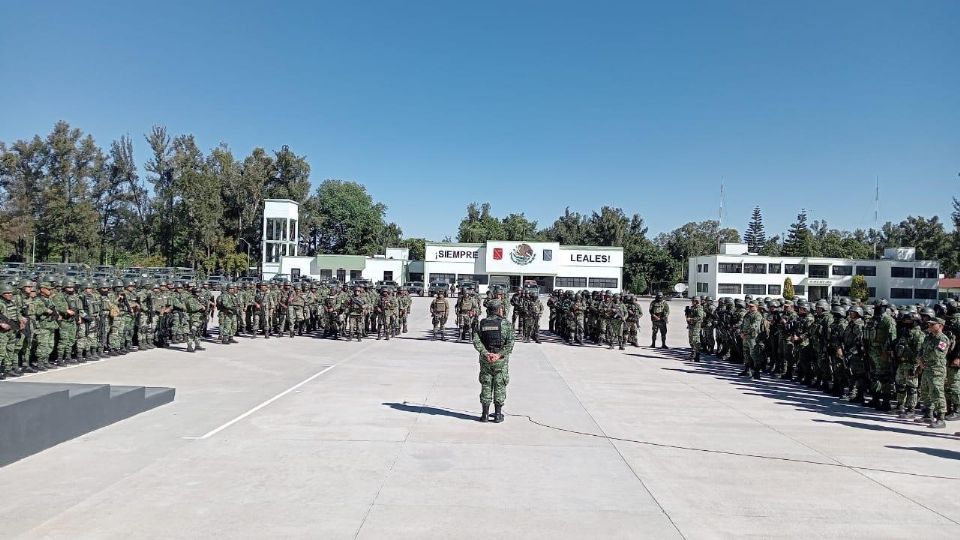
309 438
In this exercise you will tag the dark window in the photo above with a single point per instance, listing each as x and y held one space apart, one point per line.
798 269
479 279
294 273
866 270
925 273
925 294
388 275
342 275
754 268
751 288
800 289
773 289
819 270
842 270
872 292
729 268
443 278
841 291
899 293
901 271
706 267
699 268
773 268
356 274
728 288
603 283
570 282
703 287
326 273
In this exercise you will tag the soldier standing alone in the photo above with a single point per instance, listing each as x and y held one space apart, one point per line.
494 341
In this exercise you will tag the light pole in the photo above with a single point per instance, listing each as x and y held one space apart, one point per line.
33 250
248 253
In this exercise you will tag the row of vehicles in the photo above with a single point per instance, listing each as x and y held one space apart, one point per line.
13 271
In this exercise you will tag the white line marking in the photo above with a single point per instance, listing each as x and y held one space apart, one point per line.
262 405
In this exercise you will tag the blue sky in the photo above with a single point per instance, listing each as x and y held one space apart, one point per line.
530 105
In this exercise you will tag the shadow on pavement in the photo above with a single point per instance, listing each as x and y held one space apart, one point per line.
937 452
433 411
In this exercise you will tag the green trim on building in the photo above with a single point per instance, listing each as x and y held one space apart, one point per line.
341 262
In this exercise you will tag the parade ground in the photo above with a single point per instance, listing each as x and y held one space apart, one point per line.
312 438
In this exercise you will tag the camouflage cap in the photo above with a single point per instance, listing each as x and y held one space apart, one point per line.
494 306
6 288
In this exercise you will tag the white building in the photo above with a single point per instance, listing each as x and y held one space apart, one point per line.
553 266
898 276
280 241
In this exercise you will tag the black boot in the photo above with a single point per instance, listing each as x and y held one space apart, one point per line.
875 402
697 357
498 413
938 422
485 415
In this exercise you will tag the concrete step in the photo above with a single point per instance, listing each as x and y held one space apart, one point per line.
35 416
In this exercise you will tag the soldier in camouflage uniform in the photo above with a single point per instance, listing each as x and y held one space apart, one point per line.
69 308
494 342
750 333
439 309
659 314
880 348
145 321
387 308
10 323
229 306
934 356
356 307
695 316
194 310
44 313
908 349
405 302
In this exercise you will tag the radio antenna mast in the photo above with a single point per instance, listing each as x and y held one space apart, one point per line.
876 216
720 216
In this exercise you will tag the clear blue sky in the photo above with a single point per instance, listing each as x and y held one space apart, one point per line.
531 105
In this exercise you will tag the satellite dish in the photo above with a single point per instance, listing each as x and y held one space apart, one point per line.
680 288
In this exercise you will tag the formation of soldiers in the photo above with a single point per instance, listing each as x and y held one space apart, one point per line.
296 309
57 321
604 318
523 309
906 358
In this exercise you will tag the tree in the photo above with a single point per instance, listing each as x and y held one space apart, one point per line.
479 225
517 227
800 241
417 247
858 289
348 221
788 292
569 229
161 168
755 237
694 239
772 247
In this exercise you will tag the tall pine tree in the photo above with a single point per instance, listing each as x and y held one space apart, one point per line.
800 241
755 237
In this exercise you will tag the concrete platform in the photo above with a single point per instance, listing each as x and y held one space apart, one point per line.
308 438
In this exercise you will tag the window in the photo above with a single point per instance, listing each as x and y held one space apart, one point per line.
326 273
273 254
751 288
798 269
703 287
479 279
728 288
896 292
842 270
570 282
603 283
443 278
841 291
925 273
356 274
388 275
729 268
925 294
294 273
773 289
819 270
275 228
901 271
773 268
866 270
754 268
699 268
341 275
800 289
706 267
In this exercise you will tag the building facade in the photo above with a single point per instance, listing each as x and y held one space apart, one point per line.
280 233
898 276
551 265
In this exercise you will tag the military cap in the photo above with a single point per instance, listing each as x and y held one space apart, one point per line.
45 285
936 320
6 288
856 309
69 284
24 283
494 306
785 303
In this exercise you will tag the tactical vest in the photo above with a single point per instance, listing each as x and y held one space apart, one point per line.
491 334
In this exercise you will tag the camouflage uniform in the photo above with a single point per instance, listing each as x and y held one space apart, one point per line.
439 309
494 335
695 316
659 313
